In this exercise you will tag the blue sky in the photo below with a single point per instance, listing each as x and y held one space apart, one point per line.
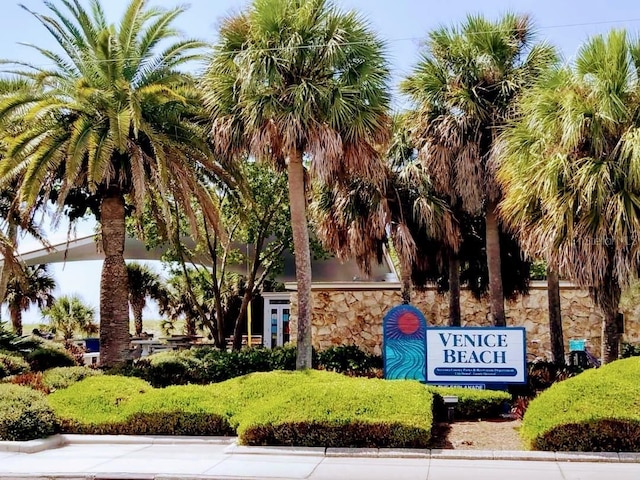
402 23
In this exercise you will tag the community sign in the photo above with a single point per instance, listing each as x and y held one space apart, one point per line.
469 355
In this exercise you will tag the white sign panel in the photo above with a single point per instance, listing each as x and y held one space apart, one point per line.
476 355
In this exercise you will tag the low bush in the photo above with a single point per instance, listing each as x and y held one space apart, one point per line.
49 356
472 404
349 359
63 377
30 379
168 368
24 414
11 364
541 375
598 410
281 408
630 350
130 406
209 365
327 409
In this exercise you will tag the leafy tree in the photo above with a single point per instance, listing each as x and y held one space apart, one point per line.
257 231
143 283
464 89
300 82
33 285
570 173
68 315
115 124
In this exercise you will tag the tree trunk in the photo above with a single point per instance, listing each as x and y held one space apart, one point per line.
454 291
12 236
405 278
608 299
496 295
237 329
137 305
555 317
114 288
16 319
298 208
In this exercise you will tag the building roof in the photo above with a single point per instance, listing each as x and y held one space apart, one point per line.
324 270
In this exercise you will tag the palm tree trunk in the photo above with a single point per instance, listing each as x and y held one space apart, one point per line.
608 299
114 288
555 316
16 319
496 295
454 291
12 236
405 279
137 305
298 207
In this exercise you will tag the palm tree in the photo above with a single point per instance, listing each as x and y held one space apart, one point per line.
68 314
143 283
32 286
464 89
570 172
117 122
300 82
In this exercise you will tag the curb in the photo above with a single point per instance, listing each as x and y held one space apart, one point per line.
57 441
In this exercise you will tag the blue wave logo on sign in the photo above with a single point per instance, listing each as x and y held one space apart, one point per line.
405 344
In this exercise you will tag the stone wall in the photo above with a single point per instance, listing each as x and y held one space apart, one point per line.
354 316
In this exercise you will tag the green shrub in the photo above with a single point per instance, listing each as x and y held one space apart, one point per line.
283 358
130 406
348 359
283 408
46 357
324 409
24 414
11 364
168 368
472 404
328 409
630 350
598 410
209 365
63 377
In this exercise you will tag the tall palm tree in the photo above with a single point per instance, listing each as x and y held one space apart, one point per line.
115 120
464 89
300 82
32 286
68 315
570 169
143 283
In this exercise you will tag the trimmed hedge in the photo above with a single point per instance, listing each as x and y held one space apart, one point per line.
24 414
63 377
472 404
328 409
276 408
49 356
598 410
11 364
130 406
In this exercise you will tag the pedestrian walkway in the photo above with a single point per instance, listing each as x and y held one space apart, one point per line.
168 458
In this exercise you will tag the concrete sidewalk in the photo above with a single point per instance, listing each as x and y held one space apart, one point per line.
85 457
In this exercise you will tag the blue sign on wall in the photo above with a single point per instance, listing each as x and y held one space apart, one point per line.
404 346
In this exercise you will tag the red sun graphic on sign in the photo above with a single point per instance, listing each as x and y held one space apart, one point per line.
408 323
